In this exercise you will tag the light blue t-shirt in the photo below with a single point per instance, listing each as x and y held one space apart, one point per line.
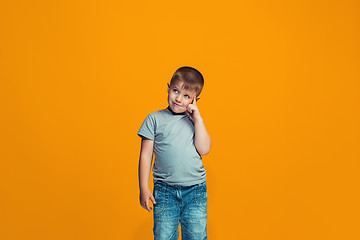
176 160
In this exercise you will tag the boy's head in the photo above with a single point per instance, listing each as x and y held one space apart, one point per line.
185 84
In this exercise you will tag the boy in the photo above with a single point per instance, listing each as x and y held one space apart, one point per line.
178 137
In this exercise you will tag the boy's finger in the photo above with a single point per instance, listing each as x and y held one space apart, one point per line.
152 199
147 205
194 100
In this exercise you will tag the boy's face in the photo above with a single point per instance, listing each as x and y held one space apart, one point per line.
179 98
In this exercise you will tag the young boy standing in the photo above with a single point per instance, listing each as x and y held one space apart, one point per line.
178 137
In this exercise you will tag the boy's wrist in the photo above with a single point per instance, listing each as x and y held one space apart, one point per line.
144 187
198 119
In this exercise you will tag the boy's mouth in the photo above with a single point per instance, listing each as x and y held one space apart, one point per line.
176 104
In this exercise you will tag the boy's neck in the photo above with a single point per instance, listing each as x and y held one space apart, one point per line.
174 113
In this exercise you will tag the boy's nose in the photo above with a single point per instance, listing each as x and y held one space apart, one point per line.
178 98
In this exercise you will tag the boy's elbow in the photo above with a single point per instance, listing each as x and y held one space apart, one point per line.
204 151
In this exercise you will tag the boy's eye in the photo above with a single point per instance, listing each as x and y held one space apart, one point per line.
175 90
187 96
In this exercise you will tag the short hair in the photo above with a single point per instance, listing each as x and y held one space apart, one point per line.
191 77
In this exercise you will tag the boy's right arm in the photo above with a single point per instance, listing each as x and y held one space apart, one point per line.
146 155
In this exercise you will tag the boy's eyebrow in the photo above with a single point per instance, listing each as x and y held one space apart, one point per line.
178 87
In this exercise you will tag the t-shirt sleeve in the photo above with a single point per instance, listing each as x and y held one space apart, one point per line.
147 129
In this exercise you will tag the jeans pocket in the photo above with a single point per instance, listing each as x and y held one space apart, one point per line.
201 197
161 197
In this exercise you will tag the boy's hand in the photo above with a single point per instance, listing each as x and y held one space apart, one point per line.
193 109
145 195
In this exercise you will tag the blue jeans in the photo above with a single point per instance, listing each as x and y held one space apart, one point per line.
177 204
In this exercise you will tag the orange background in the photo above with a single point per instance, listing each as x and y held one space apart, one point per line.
280 101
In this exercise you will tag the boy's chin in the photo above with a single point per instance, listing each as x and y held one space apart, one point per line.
177 110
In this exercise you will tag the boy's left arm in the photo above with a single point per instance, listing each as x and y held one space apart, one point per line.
202 137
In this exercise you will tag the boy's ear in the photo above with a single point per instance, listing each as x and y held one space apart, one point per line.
168 84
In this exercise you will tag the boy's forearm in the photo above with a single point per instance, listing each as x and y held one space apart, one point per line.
146 156
202 137
144 172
